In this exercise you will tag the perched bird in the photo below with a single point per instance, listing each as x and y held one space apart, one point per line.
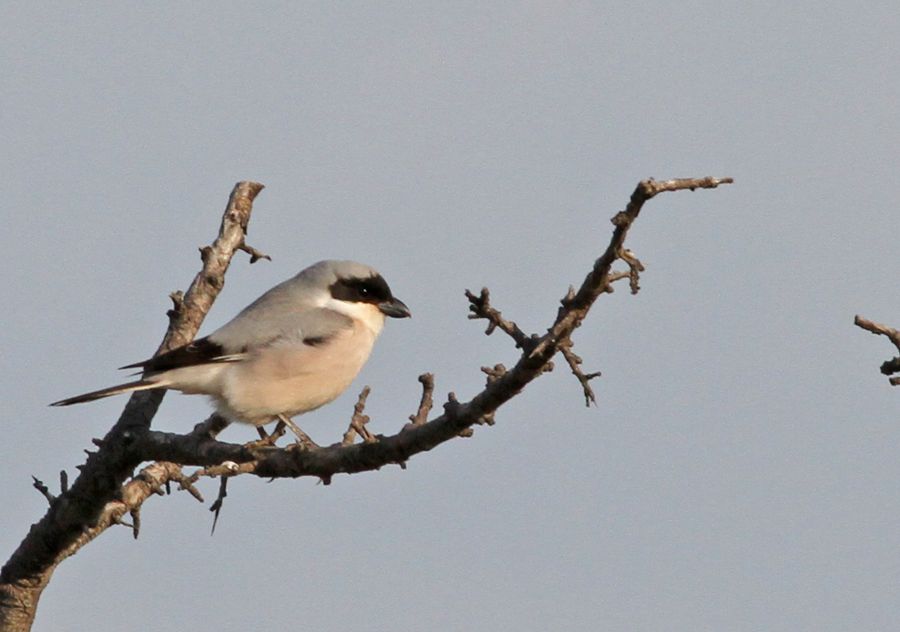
294 349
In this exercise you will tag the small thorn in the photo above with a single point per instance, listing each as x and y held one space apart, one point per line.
136 521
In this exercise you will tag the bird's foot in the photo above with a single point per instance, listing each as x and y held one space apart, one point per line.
304 441
265 439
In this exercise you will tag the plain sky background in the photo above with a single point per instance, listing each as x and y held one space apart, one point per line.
741 469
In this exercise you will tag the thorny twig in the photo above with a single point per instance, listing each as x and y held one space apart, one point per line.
45 491
358 421
635 267
574 361
216 507
135 514
426 403
480 307
255 255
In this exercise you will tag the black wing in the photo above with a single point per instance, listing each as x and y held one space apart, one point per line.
202 351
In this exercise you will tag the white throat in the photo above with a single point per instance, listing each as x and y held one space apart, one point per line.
364 313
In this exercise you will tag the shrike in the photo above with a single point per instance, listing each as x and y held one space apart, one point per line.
294 349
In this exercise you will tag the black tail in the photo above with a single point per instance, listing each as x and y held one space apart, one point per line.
140 385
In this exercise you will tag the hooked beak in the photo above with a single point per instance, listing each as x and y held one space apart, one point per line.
395 308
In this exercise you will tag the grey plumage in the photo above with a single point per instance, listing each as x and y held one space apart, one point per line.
295 348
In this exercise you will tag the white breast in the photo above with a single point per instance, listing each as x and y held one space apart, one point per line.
291 377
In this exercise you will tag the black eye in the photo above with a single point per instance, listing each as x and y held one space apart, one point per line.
364 291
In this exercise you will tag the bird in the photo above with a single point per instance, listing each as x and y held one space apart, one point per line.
294 349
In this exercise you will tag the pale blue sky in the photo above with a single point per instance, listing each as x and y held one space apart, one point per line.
740 471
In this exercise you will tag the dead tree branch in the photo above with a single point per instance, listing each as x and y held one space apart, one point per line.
458 417
100 497
79 513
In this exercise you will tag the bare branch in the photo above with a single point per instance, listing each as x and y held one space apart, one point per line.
100 497
481 307
426 403
458 417
255 255
358 421
78 515
889 367
877 328
574 361
635 267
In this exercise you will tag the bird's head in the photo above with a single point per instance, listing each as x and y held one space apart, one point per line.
356 290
